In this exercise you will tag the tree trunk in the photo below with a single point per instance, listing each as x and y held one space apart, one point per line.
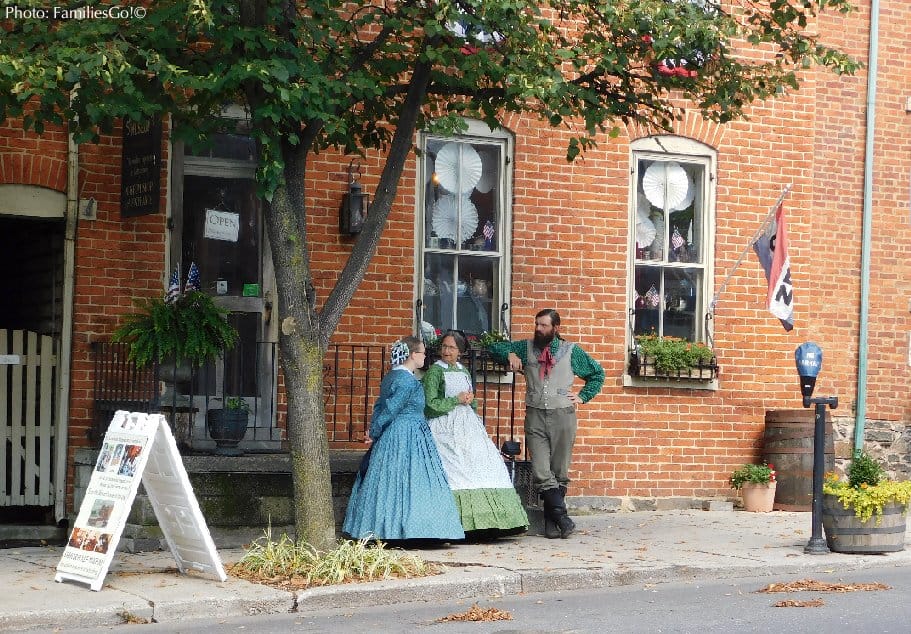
304 333
301 358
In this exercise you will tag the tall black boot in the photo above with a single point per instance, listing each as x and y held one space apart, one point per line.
565 523
552 500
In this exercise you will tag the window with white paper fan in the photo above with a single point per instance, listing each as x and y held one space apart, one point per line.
665 184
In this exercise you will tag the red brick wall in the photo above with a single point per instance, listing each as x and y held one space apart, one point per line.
569 251
117 259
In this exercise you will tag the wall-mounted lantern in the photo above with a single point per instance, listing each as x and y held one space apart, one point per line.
355 202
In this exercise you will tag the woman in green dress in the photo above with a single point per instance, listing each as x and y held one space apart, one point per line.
485 496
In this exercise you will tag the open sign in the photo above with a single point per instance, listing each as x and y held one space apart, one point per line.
222 225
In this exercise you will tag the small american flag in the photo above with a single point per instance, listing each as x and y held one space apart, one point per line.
652 298
488 230
193 283
173 288
677 240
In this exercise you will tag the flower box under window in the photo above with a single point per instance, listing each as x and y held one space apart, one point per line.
646 367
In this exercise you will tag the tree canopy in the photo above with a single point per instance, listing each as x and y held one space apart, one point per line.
332 73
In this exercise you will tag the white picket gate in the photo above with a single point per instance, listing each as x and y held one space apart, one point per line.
28 377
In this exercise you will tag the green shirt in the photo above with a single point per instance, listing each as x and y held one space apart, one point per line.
582 364
436 403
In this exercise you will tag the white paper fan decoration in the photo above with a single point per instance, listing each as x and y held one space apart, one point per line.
665 177
645 232
446 219
688 199
643 208
458 174
488 171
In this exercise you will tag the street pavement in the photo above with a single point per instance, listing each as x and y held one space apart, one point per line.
608 549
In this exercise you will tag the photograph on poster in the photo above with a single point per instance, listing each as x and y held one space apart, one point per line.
102 513
92 541
128 462
109 458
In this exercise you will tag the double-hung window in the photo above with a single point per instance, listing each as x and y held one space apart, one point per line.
671 238
463 231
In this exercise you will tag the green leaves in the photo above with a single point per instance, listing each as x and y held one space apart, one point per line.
342 71
753 473
191 328
673 354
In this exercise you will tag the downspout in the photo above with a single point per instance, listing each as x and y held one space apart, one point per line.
64 355
860 409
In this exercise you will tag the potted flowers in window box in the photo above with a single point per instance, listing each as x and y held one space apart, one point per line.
672 357
756 483
866 512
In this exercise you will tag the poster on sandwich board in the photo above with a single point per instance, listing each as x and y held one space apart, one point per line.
137 447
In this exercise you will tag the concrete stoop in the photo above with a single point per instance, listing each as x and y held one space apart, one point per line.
242 497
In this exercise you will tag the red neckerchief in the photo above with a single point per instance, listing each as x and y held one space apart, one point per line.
546 362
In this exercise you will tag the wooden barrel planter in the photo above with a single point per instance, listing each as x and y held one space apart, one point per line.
845 533
788 445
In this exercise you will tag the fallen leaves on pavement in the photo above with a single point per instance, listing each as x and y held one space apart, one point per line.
791 603
811 585
477 613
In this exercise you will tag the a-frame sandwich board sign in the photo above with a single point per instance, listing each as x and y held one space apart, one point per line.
137 447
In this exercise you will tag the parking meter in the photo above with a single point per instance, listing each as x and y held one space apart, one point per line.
809 361
808 357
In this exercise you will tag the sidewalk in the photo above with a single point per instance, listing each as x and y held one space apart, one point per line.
608 549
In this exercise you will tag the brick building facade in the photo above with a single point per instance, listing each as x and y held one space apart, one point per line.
565 236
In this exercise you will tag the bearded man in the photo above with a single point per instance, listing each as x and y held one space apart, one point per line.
550 365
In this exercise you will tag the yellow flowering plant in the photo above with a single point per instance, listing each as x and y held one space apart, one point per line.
867 489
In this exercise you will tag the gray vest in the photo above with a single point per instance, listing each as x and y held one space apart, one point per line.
551 392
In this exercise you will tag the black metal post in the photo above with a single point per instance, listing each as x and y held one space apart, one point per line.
817 544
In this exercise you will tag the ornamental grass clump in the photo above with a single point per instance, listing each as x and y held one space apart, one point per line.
752 473
286 562
673 354
867 488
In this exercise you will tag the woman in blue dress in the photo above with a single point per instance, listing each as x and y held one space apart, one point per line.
403 493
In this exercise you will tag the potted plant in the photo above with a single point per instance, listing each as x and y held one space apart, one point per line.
756 483
866 512
176 332
228 425
189 328
672 357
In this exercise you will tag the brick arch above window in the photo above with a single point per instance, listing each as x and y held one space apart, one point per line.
33 169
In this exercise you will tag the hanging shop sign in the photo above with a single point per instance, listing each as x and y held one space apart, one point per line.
221 225
140 172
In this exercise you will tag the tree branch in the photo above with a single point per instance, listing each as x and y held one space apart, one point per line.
366 244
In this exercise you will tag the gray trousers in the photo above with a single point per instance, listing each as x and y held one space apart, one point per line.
550 435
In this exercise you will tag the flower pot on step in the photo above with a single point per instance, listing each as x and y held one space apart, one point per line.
758 498
227 428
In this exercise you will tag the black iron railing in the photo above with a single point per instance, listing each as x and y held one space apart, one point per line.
351 382
118 384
